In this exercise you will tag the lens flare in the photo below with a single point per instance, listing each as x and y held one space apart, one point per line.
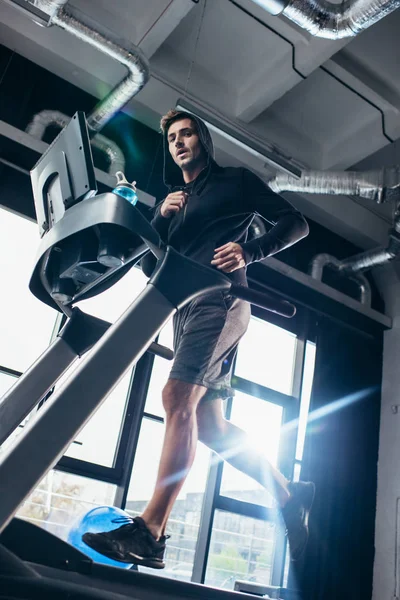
328 409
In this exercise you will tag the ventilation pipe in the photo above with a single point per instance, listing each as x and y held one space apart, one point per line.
374 258
41 121
379 185
322 261
353 267
129 55
325 19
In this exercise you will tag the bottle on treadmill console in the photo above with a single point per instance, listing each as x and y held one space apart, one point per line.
111 250
125 189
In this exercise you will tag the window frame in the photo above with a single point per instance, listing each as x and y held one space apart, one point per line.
213 499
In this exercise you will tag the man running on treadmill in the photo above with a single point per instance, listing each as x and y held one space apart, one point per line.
206 216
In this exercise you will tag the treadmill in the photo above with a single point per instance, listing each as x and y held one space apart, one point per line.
88 242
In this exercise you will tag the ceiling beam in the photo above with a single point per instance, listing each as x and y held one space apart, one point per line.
298 57
165 24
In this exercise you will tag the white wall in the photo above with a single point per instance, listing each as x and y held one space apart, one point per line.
387 536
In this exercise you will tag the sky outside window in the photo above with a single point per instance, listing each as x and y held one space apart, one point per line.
26 324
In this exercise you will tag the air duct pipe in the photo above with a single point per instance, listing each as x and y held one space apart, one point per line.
353 267
41 121
321 261
129 55
374 258
325 19
380 185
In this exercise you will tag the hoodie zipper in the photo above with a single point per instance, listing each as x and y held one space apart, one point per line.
189 193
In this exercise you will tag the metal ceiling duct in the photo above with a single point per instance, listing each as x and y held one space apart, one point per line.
129 55
366 261
321 261
324 19
353 267
41 121
380 185
374 258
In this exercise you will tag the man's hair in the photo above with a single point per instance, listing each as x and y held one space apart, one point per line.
172 116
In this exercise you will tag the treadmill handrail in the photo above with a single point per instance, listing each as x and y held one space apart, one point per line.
264 300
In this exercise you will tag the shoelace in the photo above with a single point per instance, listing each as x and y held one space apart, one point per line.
126 522
131 521
123 520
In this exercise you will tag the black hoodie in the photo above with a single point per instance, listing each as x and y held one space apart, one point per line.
220 207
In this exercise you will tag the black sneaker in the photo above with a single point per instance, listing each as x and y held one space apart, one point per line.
295 514
130 543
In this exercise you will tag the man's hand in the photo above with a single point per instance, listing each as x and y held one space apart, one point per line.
229 257
173 204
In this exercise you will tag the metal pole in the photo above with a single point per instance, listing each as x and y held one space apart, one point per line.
33 385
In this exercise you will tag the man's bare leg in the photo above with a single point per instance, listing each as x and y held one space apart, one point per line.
186 421
230 442
180 402
233 445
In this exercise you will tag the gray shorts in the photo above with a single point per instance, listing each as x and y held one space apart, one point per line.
206 335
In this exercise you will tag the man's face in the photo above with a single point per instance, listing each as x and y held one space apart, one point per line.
185 146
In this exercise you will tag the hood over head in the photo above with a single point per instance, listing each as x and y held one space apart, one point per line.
172 173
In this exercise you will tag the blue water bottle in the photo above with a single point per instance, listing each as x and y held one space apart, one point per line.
125 189
112 249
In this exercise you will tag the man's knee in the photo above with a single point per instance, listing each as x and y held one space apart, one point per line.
181 397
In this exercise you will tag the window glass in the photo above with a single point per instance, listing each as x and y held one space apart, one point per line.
308 375
184 522
113 302
159 374
26 324
240 548
261 420
6 381
296 472
97 441
61 498
266 356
